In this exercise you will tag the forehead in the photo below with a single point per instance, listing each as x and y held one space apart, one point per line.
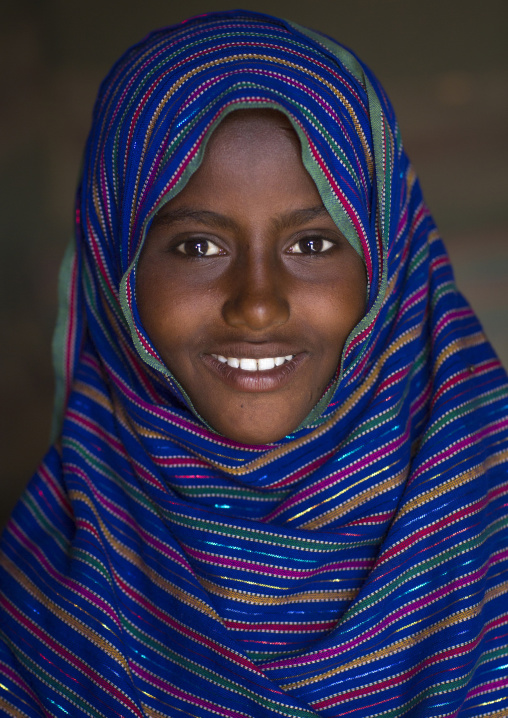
268 118
243 131
252 162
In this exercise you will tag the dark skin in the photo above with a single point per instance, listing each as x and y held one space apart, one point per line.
245 266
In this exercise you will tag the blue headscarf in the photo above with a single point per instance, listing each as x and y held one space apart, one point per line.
356 567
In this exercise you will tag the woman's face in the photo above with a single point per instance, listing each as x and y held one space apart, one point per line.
245 285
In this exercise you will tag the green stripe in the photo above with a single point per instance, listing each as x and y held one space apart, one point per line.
258 535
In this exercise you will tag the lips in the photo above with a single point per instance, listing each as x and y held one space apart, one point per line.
253 374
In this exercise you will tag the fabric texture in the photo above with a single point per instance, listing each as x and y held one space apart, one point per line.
358 567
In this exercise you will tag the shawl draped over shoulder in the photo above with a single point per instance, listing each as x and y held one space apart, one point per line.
359 566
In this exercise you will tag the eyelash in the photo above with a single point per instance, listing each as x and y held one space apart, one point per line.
220 252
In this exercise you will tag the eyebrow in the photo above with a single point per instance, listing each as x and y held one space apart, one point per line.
288 220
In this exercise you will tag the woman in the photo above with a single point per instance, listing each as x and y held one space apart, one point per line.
278 486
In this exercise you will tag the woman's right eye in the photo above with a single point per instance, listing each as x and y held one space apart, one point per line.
199 248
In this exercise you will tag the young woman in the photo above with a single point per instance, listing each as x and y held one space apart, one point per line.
279 480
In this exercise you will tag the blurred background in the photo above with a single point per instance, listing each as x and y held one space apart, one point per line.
444 64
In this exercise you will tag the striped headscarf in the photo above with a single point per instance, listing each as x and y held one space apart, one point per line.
359 566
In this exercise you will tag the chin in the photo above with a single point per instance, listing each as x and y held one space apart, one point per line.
254 420
251 435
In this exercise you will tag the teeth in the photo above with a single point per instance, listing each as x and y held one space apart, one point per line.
248 364
267 363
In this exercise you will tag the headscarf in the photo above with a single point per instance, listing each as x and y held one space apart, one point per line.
357 567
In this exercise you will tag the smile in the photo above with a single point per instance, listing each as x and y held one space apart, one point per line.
250 364
252 374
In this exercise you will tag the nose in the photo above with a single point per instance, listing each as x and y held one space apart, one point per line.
256 297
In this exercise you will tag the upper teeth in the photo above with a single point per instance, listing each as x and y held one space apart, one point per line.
253 364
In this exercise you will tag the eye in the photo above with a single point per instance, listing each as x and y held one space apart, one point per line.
311 245
199 248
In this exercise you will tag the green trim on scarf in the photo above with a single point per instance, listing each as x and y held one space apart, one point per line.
59 341
333 207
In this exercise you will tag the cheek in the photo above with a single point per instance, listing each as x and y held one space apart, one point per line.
353 292
337 307
162 309
175 316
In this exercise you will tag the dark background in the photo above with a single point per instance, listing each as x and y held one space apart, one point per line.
443 62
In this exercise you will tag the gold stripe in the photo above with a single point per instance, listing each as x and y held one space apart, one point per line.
355 501
10 710
461 343
455 481
493 714
91 393
267 600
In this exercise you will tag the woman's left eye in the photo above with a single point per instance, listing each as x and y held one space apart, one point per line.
311 245
199 248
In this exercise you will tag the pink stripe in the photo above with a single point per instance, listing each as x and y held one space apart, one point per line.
345 204
487 687
55 488
111 441
392 379
449 317
422 399
412 300
282 625
102 267
169 418
341 81
480 370
446 523
302 472
401 678
441 261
